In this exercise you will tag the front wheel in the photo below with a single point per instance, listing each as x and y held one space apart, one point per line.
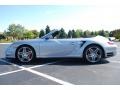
25 54
93 54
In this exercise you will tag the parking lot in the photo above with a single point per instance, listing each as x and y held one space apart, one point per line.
69 71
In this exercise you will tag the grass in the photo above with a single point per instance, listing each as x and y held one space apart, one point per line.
6 41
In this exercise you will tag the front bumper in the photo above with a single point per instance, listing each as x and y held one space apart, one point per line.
10 53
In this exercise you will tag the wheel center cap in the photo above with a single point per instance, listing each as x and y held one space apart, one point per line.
93 55
25 55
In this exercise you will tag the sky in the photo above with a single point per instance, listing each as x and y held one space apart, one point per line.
83 16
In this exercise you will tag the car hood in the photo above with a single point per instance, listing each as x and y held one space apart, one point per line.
29 40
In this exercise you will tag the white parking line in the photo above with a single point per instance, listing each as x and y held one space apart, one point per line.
29 69
115 61
1 74
6 73
48 77
43 65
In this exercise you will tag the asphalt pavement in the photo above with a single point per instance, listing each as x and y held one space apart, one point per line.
69 71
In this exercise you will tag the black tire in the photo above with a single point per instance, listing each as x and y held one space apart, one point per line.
94 57
33 54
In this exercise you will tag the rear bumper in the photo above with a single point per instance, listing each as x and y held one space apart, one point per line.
110 54
110 51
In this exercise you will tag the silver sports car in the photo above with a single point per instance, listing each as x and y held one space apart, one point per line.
90 49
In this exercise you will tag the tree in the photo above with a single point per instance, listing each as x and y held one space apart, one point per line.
69 34
86 33
96 33
74 34
81 33
2 36
111 34
62 33
107 33
28 35
92 33
101 32
77 33
116 33
47 30
16 31
6 33
35 33
42 33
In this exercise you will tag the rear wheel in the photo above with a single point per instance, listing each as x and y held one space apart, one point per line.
93 54
25 54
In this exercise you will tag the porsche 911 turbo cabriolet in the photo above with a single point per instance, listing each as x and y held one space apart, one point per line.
92 49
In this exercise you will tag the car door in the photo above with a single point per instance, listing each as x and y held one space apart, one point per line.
72 48
56 48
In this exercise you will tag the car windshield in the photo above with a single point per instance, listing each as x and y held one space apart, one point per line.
51 34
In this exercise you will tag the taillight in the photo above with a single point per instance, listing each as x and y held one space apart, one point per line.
110 43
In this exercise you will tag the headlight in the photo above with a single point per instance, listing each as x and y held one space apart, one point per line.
11 47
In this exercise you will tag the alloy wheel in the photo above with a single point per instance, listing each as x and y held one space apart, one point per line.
93 54
25 54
